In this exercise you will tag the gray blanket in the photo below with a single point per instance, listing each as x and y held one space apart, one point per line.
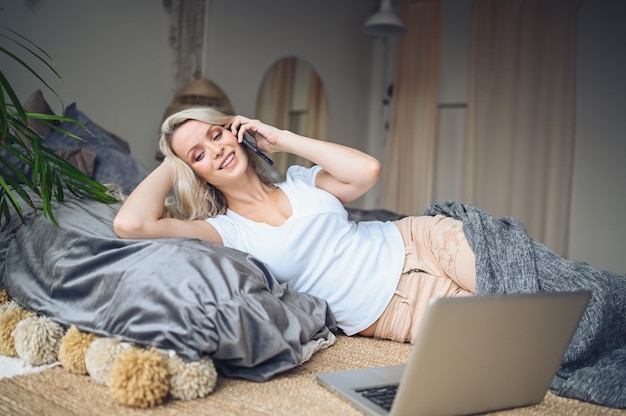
508 261
184 295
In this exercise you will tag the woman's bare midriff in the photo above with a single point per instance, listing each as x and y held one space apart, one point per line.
369 332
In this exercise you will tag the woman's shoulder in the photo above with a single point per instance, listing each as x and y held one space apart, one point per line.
302 173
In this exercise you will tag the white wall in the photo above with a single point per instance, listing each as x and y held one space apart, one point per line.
116 60
116 63
455 40
597 222
113 56
246 37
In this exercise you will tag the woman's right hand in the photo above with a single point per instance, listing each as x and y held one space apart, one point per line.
347 172
141 215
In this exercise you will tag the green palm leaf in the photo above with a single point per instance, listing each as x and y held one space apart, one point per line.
30 173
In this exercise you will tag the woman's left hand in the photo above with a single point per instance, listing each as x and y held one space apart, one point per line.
266 136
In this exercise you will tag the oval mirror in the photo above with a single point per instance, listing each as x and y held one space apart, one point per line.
292 97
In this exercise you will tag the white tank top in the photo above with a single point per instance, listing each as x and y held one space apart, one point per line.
355 267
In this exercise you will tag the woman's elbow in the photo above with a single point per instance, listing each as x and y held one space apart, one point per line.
374 171
368 176
127 228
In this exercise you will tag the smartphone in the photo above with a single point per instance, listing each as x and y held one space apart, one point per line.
262 155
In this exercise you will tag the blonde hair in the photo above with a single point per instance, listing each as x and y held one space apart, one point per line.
193 198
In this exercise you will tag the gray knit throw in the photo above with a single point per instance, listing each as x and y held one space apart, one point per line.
509 261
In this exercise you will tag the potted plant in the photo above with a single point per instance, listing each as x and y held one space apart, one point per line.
29 171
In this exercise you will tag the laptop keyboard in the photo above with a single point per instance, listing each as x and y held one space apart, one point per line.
381 395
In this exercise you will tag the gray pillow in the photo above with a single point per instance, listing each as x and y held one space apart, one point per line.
113 164
36 103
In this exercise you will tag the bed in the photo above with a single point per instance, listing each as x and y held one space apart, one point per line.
223 304
185 296
207 299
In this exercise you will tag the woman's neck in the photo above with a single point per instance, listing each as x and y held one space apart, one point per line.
258 201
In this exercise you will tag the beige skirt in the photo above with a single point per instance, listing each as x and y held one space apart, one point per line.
439 263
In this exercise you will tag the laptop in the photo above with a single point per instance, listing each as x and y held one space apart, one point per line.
473 354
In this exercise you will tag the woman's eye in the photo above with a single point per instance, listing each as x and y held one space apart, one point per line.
198 157
217 136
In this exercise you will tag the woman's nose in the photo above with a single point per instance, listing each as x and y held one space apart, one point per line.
216 149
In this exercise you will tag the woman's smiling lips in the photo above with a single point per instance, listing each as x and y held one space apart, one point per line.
227 161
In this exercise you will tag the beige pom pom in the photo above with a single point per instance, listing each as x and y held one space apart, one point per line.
139 378
4 296
10 304
73 348
101 356
8 321
37 340
191 380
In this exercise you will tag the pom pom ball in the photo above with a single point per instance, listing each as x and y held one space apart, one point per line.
101 356
73 348
8 321
37 340
139 378
192 380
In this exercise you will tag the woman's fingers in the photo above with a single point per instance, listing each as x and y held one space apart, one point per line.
258 130
234 127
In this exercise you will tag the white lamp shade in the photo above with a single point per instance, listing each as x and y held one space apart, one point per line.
384 23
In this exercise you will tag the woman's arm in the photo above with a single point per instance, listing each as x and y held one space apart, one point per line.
141 215
347 173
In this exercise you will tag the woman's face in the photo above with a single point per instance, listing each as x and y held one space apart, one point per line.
211 151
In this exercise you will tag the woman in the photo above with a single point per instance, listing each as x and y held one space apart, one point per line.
376 276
